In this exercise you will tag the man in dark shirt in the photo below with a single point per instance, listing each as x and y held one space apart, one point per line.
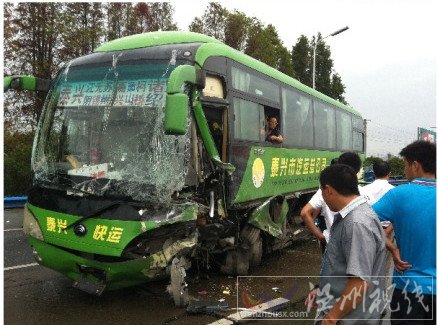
273 134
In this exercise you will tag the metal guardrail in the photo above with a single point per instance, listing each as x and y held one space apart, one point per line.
14 202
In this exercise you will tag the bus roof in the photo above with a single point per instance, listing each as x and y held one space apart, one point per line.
154 39
212 47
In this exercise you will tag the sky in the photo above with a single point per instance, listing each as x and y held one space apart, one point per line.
386 59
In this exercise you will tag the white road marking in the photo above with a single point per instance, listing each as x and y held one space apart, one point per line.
19 266
14 229
275 304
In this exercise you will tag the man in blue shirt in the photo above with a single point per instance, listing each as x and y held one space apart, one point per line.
411 209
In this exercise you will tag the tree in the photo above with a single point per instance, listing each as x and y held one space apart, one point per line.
302 61
337 88
196 26
212 22
245 34
32 50
323 66
260 43
265 45
124 19
236 30
326 80
83 29
116 19
371 160
397 166
17 172
284 61
161 16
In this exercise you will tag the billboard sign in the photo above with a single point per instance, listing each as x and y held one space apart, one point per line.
426 135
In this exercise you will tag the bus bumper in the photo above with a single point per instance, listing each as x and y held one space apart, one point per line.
94 276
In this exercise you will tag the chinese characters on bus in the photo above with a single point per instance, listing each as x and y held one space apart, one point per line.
148 92
100 233
296 166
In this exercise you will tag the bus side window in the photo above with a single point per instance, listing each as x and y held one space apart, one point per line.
344 130
325 126
272 121
298 112
248 120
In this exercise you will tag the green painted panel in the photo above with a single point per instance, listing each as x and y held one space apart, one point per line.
275 171
106 237
118 274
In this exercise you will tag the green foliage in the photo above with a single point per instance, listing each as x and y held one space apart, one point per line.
323 67
125 18
397 166
82 30
326 80
337 88
245 34
284 61
302 60
31 48
371 160
17 154
261 43
236 30
212 22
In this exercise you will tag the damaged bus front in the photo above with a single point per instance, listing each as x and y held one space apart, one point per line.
108 206
150 155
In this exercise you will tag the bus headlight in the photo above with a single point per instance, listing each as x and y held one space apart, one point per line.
31 226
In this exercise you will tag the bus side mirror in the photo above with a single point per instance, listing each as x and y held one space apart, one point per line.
177 102
175 116
26 83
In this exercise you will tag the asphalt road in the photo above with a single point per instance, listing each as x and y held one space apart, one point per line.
36 295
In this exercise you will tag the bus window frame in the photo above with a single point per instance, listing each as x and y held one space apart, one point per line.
236 93
263 101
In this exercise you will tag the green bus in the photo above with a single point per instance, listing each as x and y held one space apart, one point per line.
150 154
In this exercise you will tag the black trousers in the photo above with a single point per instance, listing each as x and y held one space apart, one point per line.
408 309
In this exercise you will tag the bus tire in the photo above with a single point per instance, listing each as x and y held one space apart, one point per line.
250 234
236 262
256 253
252 240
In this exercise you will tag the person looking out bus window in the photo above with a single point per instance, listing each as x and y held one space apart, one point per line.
273 134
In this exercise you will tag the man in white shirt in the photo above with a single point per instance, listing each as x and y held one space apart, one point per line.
374 191
317 204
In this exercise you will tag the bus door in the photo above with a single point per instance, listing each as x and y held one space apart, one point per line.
216 112
217 122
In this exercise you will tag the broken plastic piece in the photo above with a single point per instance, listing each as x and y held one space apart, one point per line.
198 307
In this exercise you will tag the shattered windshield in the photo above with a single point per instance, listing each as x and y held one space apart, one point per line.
102 130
